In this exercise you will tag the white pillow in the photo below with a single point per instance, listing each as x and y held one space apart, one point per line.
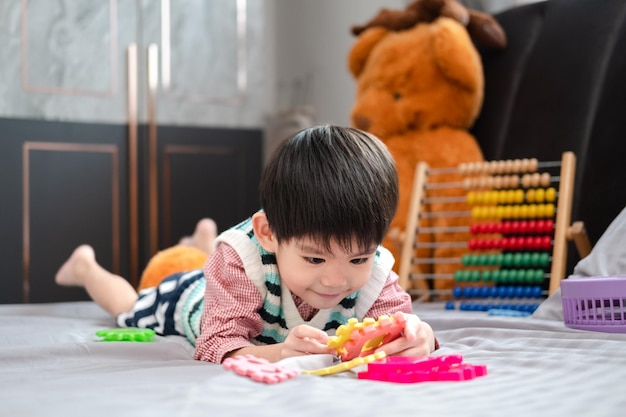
607 258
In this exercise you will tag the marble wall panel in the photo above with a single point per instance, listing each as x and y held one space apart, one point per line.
217 65
69 47
66 60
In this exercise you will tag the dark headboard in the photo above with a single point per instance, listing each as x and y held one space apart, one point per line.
560 85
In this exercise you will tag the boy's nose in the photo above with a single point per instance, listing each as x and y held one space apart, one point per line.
334 279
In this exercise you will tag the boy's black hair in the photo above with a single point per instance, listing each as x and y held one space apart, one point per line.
330 183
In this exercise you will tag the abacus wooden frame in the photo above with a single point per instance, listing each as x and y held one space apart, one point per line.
562 230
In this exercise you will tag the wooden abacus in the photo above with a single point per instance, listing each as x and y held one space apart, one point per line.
514 206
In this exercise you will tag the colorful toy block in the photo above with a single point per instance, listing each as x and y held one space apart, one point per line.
356 338
411 369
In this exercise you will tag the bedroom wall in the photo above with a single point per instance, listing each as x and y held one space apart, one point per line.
67 60
80 162
76 166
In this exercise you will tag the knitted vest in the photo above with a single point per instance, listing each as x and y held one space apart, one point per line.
279 312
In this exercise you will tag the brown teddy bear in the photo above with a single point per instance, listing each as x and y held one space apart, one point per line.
419 89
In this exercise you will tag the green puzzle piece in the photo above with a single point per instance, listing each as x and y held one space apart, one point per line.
130 334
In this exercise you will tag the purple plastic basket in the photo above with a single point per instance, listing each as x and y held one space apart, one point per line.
595 303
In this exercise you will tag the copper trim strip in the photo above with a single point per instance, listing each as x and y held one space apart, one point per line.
133 180
27 147
26 86
153 196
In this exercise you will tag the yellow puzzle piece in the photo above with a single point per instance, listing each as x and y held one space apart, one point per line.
345 366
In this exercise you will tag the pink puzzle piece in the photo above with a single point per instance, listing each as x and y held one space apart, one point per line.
257 369
409 369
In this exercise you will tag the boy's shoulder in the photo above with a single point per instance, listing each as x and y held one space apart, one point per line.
252 256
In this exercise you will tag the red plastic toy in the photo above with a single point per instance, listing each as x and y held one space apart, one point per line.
411 369
402 369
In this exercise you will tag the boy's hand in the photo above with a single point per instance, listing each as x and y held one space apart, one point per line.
418 339
304 340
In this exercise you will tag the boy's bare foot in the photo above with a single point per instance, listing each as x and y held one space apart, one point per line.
73 271
203 237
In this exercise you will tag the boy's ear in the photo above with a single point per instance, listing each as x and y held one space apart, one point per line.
263 231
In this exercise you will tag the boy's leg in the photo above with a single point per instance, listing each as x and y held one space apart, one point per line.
109 291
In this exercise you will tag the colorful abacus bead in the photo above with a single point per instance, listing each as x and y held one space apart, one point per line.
522 307
500 291
511 243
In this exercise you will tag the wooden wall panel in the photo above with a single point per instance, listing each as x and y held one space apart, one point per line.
71 194
206 173
63 184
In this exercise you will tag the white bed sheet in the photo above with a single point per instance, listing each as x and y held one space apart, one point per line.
51 364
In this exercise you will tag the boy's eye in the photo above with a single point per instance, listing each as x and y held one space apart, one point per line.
359 261
314 261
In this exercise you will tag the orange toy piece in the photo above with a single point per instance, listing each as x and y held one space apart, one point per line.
179 258
356 338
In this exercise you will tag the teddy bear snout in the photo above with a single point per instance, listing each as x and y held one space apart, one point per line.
362 122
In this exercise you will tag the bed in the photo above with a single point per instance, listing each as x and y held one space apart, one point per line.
52 363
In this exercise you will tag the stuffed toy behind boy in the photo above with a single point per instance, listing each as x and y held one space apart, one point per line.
420 85
179 258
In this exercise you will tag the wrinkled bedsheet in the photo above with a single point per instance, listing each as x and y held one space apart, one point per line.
52 364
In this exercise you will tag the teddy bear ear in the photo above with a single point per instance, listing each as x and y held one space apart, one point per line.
455 10
390 19
360 51
486 30
455 54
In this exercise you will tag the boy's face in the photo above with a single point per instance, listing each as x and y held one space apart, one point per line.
322 278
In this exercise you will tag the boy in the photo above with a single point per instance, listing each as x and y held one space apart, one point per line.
300 267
